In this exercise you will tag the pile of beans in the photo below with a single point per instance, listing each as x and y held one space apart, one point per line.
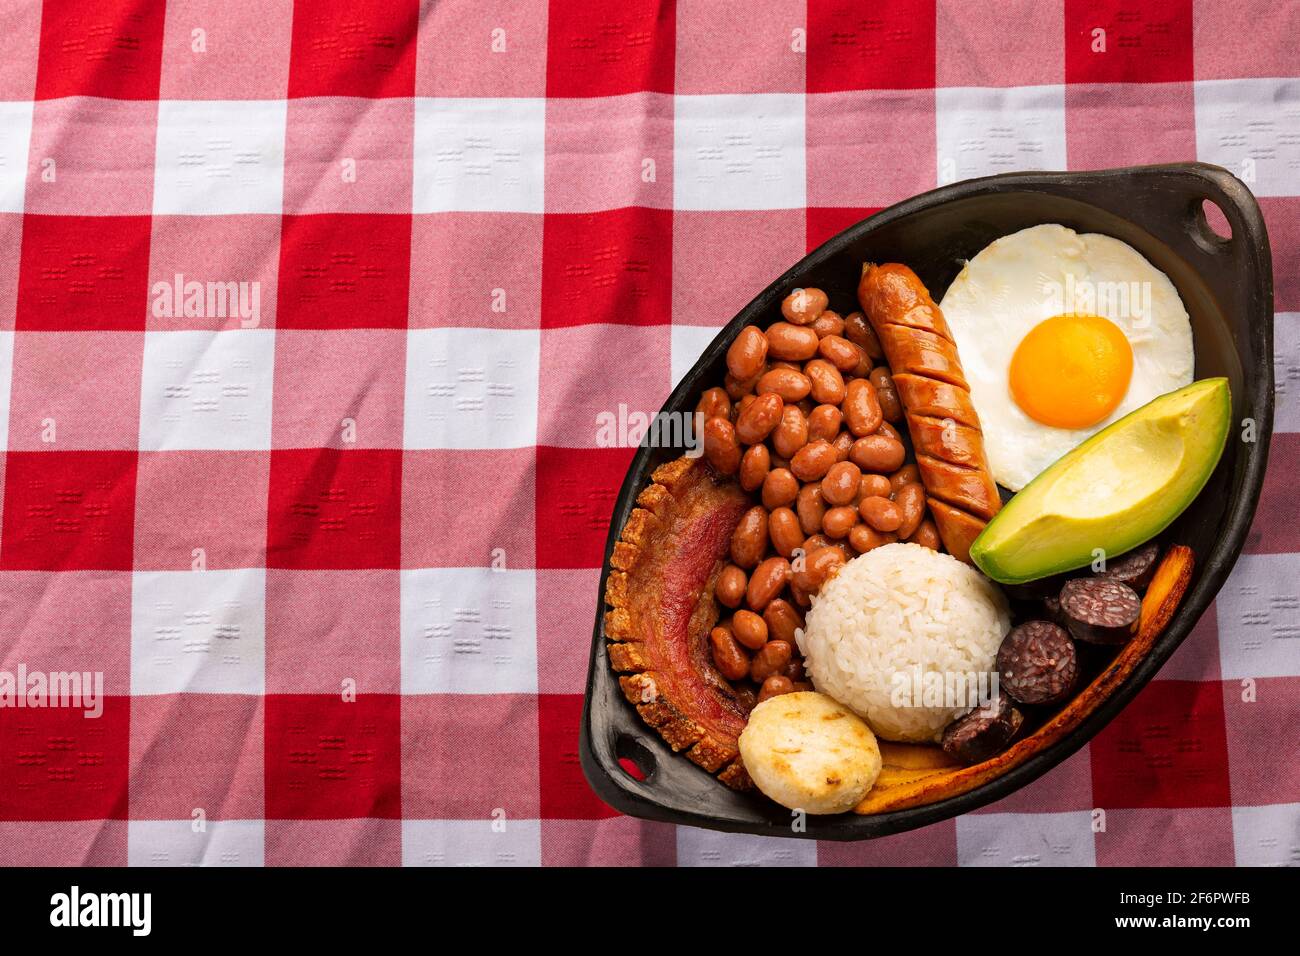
804 420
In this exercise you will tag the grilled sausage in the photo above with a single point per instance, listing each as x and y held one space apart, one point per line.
1037 663
1100 610
936 401
983 733
1136 568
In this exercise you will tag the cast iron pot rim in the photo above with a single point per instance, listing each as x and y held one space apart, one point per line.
616 788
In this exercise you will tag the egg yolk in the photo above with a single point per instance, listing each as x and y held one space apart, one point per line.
1071 371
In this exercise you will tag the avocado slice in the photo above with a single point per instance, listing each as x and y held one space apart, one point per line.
1121 487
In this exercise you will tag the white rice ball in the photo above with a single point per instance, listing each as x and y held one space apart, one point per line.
892 616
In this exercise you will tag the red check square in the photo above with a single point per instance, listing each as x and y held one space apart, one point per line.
20 41
361 408
344 271
91 157
1065 788
564 596
1255 714
1241 38
243 249
110 49
1167 748
331 759
999 43
61 398
1276 528
761 244
887 45
1150 838
68 510
604 50
566 795
1198 656
874 127
354 48
330 630
935 845
334 509
63 843
1128 41
196 752
616 841
1282 216
1100 120
489 48
613 267
362 842
242 52
343 154
61 764
459 278
501 534
579 406
43 623
630 164
207 506
760 54
447 775
11 247
83 272
576 488
824 222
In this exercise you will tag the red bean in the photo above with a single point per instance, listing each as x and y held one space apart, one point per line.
754 466
767 581
746 353
813 460
881 513
720 445
757 420
749 540
730 587
728 658
840 486
803 306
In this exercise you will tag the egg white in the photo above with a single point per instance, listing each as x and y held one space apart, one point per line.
1020 280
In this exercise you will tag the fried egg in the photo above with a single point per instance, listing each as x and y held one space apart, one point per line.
1060 334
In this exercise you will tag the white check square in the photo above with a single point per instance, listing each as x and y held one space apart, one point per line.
219 157
1286 371
479 155
1026 839
469 631
1267 836
6 377
177 843
207 390
471 843
739 151
198 631
15 136
1252 128
985 131
1258 613
697 847
471 388
687 344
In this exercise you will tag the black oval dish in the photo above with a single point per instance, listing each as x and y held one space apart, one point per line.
1227 286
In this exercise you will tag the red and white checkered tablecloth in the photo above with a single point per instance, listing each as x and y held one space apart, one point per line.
306 315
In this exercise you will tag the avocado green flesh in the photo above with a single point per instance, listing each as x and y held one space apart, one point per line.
1121 487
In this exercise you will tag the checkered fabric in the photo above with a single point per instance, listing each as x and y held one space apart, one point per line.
306 315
